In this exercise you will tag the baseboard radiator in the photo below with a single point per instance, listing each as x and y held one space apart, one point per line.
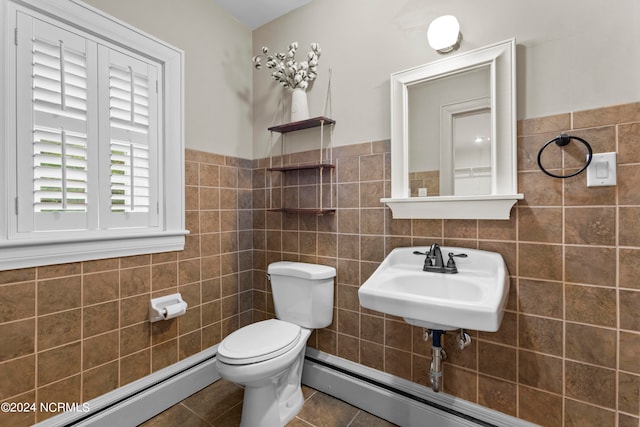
397 400
140 400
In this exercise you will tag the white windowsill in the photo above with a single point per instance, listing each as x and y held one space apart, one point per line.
35 252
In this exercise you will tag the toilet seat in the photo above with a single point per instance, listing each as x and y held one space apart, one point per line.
258 342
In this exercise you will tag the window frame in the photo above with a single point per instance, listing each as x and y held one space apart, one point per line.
20 250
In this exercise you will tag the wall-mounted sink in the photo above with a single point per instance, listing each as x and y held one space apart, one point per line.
474 298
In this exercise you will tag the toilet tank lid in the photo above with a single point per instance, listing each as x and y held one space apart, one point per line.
302 270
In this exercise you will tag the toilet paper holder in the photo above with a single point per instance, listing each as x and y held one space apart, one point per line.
167 307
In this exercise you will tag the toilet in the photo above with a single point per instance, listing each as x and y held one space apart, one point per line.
267 357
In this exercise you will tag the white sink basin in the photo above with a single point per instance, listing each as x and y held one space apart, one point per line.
474 298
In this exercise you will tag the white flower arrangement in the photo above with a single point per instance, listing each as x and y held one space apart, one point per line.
286 70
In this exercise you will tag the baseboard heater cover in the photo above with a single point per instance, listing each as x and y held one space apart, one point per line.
140 400
397 400
394 399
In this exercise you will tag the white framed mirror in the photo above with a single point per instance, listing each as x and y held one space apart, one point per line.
453 137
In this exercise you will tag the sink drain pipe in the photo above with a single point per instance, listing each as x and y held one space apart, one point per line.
438 355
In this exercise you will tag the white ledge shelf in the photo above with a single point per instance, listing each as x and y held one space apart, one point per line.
453 207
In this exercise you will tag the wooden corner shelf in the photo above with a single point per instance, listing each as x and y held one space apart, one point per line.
304 210
302 167
302 124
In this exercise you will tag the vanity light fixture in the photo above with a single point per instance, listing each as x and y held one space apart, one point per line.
444 34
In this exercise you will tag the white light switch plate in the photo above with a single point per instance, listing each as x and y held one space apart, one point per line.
602 170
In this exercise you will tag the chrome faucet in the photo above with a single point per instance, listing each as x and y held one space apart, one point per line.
434 262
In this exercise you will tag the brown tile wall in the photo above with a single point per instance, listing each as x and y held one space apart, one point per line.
424 179
69 333
567 351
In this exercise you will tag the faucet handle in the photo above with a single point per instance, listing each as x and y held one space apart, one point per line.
451 255
451 263
429 257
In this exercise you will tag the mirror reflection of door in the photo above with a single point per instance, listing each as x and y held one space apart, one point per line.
463 99
472 153
465 138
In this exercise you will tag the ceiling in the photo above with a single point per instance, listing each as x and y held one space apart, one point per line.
255 13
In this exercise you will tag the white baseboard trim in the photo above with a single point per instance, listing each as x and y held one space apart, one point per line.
395 399
140 400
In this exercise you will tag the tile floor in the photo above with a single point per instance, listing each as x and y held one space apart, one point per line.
220 404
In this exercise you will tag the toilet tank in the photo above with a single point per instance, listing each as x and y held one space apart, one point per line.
302 293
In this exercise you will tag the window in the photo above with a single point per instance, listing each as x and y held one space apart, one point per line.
93 140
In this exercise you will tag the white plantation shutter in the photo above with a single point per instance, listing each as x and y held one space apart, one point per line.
132 139
59 171
59 73
129 177
53 143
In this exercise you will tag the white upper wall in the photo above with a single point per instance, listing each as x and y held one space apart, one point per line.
218 86
572 55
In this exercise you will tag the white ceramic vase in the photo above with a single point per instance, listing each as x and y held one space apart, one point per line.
299 105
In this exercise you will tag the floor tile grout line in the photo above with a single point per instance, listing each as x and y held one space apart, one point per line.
228 411
303 420
194 413
354 417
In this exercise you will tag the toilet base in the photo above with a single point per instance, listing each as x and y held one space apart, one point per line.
277 403
261 407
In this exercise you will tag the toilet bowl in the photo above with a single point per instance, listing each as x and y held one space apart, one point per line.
267 357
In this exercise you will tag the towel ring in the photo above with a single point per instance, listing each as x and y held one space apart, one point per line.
562 140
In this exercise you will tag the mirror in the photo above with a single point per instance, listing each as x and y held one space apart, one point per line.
453 137
449 139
